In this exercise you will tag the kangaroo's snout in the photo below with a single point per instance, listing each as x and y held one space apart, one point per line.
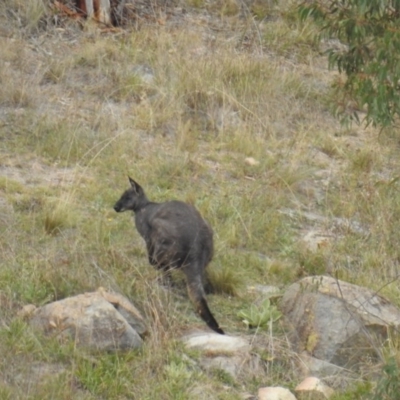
117 207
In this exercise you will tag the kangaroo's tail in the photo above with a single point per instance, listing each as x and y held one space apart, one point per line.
197 296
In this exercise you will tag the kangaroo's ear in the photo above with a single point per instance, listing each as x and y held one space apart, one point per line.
134 184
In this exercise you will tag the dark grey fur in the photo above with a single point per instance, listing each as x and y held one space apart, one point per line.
176 236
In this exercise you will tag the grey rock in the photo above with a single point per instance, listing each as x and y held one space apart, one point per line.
246 364
337 223
336 321
88 319
314 366
230 365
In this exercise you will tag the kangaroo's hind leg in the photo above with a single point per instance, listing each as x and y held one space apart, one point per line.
156 257
208 286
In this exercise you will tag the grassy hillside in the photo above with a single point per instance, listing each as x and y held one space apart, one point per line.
223 107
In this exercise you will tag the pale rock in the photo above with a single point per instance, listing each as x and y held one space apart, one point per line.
266 290
26 311
315 240
251 161
313 388
91 321
335 223
275 393
126 309
234 365
215 343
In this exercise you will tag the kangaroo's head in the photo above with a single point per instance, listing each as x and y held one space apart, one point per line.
132 199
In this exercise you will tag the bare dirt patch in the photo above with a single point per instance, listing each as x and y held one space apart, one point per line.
31 172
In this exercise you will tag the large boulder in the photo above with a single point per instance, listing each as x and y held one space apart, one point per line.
98 320
337 321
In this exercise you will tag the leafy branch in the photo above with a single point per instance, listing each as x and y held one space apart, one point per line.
369 31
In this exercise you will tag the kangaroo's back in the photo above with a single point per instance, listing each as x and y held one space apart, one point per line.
176 233
176 236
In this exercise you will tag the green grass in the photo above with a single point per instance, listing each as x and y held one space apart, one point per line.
78 117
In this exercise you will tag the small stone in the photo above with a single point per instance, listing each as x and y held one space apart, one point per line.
275 393
313 388
230 365
316 240
251 161
267 290
26 311
213 342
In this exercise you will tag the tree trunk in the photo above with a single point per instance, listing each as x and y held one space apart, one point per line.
100 10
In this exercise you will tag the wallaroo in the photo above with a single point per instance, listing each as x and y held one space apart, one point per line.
176 236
